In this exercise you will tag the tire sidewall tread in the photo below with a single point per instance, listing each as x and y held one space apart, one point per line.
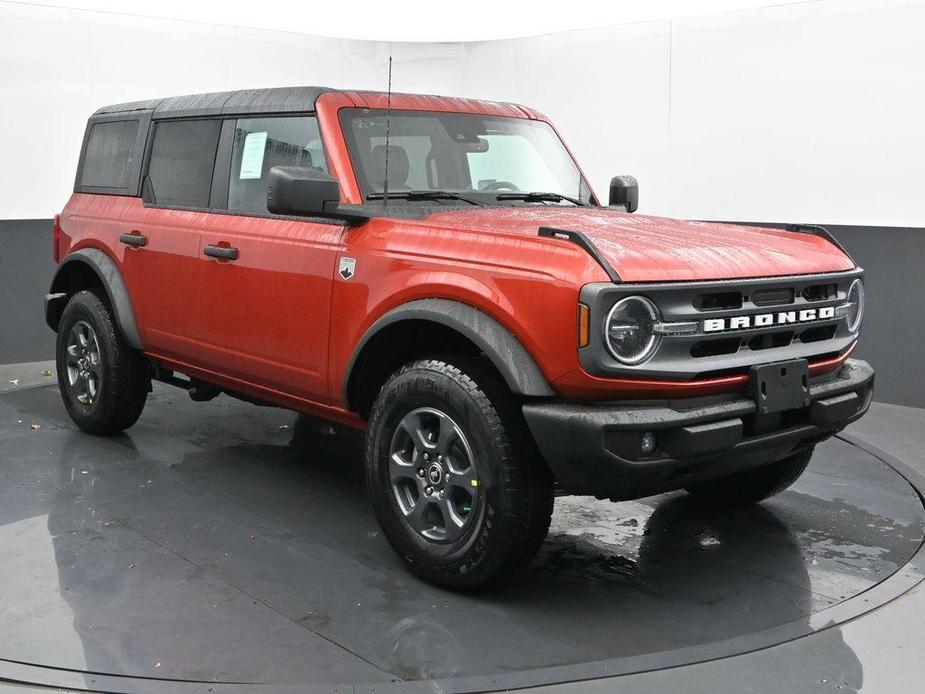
515 499
125 381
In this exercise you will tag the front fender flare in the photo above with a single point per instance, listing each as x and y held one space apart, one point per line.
111 279
503 349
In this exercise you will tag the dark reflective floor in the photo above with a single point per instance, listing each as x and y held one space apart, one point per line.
213 543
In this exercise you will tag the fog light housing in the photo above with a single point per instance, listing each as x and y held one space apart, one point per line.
648 443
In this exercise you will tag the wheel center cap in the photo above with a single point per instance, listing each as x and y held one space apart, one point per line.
435 473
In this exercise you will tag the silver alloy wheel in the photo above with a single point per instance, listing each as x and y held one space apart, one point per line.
433 474
84 367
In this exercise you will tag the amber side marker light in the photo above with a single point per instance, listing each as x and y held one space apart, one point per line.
56 234
584 325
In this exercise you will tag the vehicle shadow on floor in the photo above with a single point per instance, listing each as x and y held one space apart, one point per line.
288 523
670 571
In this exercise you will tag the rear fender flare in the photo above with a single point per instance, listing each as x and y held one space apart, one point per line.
116 291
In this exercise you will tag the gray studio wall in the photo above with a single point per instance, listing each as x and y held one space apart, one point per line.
26 268
893 332
892 339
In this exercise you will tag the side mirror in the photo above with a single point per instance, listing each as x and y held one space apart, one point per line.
624 192
306 192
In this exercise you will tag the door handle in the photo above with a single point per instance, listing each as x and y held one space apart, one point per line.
221 252
134 239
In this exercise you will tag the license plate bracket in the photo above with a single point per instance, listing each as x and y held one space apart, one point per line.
780 386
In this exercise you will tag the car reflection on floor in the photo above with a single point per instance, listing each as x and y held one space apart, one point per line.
224 542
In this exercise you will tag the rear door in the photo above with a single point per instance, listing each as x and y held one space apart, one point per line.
266 280
166 225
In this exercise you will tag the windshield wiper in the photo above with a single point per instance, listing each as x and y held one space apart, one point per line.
540 197
423 195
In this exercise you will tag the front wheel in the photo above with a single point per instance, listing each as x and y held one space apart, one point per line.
104 382
752 486
450 471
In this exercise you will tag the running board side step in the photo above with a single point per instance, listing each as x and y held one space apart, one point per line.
199 391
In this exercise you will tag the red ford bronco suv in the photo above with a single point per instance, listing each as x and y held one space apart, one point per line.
438 272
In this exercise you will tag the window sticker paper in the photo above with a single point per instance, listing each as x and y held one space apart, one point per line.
252 156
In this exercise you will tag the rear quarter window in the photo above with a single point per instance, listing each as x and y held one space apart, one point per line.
109 154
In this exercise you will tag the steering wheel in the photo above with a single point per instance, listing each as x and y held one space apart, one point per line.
501 185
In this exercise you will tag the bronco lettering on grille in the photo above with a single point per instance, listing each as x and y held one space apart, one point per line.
767 320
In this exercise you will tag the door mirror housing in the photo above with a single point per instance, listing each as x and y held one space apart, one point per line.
624 192
307 192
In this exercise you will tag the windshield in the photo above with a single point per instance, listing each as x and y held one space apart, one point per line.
481 157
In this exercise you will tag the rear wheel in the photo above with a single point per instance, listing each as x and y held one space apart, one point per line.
451 474
755 485
104 382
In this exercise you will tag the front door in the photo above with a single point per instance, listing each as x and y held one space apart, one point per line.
266 280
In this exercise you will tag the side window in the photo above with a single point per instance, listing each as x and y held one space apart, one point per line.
109 154
262 143
182 162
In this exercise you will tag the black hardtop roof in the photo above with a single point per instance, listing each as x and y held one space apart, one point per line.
273 100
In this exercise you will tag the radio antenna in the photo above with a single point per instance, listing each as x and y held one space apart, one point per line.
388 117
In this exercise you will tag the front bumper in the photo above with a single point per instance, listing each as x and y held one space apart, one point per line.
595 448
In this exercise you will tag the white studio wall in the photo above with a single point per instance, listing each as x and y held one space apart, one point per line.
415 20
808 111
58 66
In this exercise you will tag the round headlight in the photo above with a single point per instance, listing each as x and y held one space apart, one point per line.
855 305
630 330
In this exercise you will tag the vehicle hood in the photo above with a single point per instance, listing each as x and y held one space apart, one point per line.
651 249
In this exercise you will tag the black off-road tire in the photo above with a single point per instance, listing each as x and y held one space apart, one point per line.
512 512
755 485
125 380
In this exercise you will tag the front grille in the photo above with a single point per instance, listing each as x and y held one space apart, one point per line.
818 334
716 348
750 322
770 340
820 292
718 301
781 296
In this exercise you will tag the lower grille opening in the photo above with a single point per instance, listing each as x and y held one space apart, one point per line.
757 424
715 348
818 334
771 340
